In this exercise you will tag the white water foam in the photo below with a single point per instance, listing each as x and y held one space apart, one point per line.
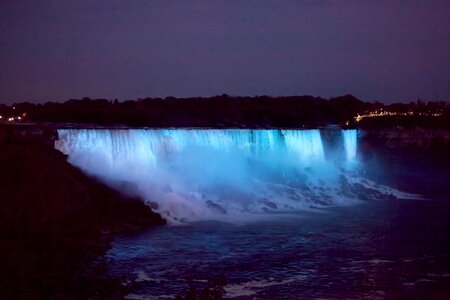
230 175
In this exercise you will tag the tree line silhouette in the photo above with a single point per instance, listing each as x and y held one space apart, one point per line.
226 111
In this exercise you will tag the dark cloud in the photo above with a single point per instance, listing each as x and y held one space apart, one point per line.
386 50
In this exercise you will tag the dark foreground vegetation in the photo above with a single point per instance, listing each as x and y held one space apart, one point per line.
56 223
230 111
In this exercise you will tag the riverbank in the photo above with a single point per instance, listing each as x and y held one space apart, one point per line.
56 222
41 193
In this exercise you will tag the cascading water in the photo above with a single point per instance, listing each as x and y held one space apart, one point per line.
231 174
350 144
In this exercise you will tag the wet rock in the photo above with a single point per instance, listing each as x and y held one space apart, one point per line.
365 193
320 201
154 205
216 207
268 203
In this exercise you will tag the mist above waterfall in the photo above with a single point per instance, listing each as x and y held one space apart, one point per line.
232 174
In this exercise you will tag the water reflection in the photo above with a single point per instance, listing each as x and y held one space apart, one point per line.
376 250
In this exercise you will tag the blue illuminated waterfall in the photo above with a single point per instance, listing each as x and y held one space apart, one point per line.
350 144
196 174
149 145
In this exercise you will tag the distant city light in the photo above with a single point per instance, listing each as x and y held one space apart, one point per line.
382 113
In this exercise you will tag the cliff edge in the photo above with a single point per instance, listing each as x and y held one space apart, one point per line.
40 192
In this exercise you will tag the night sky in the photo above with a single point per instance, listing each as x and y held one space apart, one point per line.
376 50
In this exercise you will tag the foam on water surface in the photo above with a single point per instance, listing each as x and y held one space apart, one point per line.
230 174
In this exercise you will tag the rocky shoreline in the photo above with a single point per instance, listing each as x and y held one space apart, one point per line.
56 223
40 192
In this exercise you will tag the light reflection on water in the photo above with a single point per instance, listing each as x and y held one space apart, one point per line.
376 250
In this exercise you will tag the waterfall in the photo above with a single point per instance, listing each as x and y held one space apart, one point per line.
148 145
350 144
196 174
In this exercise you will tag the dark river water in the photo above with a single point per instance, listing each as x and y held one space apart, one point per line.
395 249
387 249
